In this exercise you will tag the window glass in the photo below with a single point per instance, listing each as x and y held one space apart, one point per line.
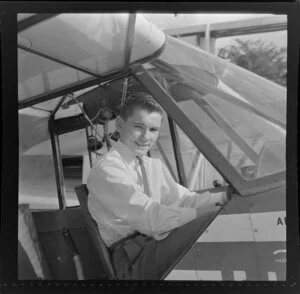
38 75
95 42
200 174
37 185
72 169
164 150
250 137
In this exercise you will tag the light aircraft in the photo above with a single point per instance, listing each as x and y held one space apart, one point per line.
224 131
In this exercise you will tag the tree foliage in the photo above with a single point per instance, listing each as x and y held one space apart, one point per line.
266 60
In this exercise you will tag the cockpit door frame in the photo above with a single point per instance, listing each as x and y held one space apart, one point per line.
215 157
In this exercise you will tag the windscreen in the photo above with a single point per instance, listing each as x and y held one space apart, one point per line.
241 113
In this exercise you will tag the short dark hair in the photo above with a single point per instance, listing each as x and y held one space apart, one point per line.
140 100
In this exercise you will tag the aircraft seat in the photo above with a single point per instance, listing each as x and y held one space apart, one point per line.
101 248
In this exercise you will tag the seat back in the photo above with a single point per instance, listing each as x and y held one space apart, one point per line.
101 248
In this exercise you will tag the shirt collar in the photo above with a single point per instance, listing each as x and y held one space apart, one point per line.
125 152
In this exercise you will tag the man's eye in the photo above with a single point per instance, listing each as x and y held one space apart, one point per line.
138 127
154 130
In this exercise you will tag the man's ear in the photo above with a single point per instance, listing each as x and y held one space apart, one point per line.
119 123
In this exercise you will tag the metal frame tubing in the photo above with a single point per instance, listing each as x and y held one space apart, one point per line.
165 158
58 105
129 39
177 153
87 146
67 89
59 176
68 64
77 86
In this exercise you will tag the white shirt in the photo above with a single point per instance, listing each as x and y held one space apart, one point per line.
119 206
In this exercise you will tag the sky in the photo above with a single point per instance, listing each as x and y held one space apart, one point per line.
167 21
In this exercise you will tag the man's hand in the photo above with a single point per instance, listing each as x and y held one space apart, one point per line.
227 194
215 206
231 193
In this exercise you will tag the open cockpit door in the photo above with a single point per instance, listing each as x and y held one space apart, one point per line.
240 132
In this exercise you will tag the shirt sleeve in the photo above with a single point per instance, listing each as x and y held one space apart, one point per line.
180 196
206 200
175 191
111 184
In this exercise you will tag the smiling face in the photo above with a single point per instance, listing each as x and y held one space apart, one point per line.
140 130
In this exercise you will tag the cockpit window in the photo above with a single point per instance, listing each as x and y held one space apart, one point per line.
242 114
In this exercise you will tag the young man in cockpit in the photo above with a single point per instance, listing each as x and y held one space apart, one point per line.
143 215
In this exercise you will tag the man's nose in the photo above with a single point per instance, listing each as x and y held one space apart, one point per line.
146 135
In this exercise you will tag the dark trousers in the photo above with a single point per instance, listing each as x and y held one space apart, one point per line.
144 258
